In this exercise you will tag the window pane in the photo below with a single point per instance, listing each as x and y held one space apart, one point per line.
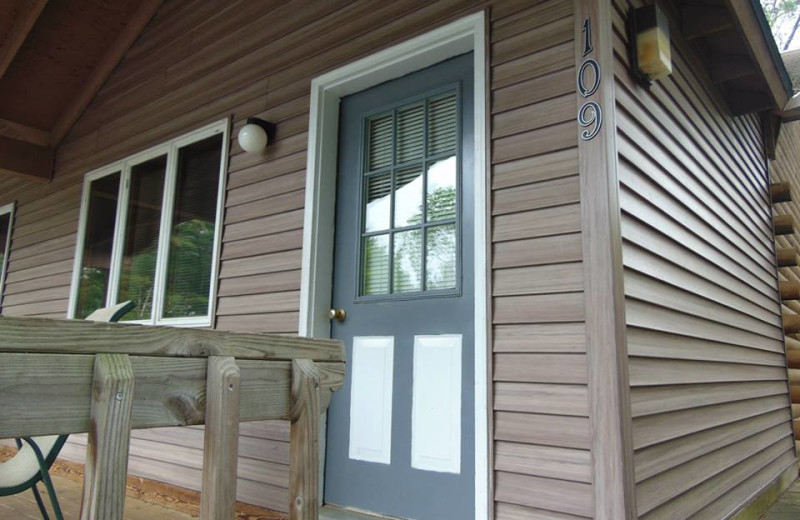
5 223
408 198
192 232
376 265
137 276
440 264
410 133
442 190
379 142
99 238
379 200
442 124
407 276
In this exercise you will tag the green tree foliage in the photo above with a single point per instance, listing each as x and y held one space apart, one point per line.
189 269
784 18
188 276
92 296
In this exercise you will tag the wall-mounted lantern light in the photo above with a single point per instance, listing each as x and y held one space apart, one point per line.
256 134
649 45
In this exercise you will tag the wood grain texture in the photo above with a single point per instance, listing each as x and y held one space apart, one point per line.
607 363
109 436
169 391
104 67
220 453
304 466
20 28
42 335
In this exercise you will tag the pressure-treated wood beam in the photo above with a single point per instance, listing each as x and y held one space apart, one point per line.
780 192
104 67
9 46
727 67
787 257
702 20
783 224
790 290
29 160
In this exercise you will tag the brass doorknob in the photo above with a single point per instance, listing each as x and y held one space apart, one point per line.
337 314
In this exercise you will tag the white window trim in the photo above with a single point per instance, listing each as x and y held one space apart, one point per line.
6 209
124 167
463 35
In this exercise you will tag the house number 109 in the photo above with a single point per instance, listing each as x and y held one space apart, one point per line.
590 115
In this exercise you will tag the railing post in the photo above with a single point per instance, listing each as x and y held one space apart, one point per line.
221 443
304 445
109 438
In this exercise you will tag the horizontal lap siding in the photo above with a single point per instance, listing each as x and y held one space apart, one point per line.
706 356
542 457
786 168
196 63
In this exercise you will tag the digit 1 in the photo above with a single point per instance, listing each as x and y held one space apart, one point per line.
587 36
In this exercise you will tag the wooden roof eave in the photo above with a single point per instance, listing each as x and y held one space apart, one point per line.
29 152
756 34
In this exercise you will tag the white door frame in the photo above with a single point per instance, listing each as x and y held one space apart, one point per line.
464 35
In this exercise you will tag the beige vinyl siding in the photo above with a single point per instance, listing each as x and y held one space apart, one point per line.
197 62
542 457
706 356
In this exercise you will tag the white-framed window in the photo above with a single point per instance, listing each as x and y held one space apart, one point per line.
6 225
150 230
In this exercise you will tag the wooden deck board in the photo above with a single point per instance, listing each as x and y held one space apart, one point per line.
22 505
145 499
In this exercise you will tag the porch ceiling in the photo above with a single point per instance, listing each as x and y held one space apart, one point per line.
54 56
733 39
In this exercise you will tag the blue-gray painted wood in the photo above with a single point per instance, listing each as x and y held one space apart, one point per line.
398 489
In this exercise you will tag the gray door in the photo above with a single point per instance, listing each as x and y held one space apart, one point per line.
401 432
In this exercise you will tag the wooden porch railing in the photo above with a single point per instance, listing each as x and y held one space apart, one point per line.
60 377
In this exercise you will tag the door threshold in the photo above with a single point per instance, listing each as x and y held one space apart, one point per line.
331 512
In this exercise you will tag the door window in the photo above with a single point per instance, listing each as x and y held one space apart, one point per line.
410 186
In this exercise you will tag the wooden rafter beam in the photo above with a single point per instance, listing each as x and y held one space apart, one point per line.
791 323
780 192
790 290
25 159
748 101
701 20
104 67
727 67
787 257
754 35
783 224
25 133
16 36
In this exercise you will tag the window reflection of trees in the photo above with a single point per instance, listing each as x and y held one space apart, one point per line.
440 257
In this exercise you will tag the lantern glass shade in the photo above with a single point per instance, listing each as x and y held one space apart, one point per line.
252 138
653 43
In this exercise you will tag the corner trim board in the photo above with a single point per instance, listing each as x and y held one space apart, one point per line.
604 301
